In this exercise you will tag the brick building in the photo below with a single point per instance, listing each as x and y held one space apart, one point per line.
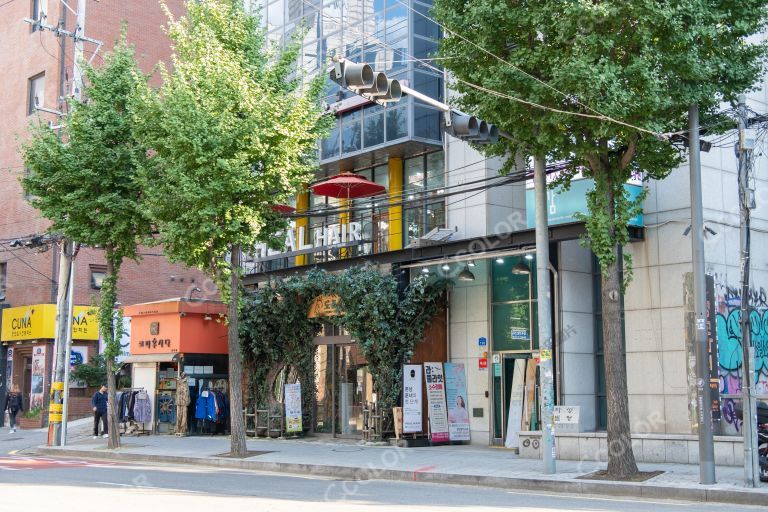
38 71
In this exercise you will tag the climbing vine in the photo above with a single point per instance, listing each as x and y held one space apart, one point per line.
385 322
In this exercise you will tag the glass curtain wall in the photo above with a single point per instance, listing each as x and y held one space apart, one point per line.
424 179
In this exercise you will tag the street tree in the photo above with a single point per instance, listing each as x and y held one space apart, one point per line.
84 180
233 131
617 73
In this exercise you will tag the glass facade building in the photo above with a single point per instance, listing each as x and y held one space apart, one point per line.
398 145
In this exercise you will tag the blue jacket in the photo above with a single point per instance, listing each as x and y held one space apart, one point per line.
99 401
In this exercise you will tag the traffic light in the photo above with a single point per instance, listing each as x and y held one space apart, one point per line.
363 80
471 129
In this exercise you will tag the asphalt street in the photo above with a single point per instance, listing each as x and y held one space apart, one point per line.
59 484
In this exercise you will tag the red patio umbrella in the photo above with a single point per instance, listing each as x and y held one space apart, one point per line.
283 208
347 186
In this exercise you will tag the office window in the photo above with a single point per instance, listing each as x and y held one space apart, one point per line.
37 11
98 274
36 96
3 279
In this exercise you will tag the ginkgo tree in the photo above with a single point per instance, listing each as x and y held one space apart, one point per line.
595 84
232 131
84 180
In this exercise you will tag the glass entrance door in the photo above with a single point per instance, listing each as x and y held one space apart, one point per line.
354 389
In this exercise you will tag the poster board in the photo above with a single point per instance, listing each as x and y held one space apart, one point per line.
530 394
438 418
515 405
293 407
412 399
37 392
456 398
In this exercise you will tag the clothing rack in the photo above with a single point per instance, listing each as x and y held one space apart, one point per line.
129 426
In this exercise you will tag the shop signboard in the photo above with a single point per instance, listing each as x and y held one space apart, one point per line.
293 407
77 356
38 321
324 305
456 397
438 418
563 206
412 399
38 377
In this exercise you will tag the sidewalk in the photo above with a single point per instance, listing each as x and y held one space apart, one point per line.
462 465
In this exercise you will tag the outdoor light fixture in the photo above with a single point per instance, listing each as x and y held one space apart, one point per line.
446 267
499 260
208 318
471 263
425 270
466 274
521 268
529 256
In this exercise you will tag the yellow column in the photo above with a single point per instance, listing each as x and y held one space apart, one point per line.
344 217
395 168
302 205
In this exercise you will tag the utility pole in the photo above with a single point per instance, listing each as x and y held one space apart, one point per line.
746 203
56 405
704 406
545 316
65 298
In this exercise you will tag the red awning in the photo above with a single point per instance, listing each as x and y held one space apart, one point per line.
347 186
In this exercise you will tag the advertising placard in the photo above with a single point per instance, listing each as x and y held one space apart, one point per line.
438 418
38 377
412 399
456 396
9 368
293 407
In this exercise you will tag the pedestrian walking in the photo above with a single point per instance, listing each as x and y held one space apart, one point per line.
99 403
14 402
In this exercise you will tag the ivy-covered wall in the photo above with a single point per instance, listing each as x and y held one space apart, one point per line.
275 327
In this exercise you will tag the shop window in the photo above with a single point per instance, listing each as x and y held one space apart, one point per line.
3 279
513 303
424 182
36 93
98 274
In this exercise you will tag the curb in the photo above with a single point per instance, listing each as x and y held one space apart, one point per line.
614 489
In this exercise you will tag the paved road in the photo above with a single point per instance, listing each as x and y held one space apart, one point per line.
60 485
79 485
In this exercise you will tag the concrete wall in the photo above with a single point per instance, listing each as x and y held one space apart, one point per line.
577 331
469 320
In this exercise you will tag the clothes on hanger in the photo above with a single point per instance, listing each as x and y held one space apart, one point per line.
142 409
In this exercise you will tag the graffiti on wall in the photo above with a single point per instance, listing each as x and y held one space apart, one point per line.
729 334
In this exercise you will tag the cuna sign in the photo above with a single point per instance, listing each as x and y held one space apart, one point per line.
322 239
38 321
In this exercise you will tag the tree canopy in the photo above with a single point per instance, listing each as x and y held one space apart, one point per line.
600 85
232 131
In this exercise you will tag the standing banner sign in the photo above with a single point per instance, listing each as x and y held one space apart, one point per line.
293 407
412 398
9 369
438 419
456 396
38 377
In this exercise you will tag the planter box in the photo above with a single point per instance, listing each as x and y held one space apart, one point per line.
26 423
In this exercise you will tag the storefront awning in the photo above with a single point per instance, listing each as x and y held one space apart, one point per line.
151 358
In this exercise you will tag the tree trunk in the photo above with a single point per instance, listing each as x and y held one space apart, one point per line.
621 459
108 301
236 420
114 436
